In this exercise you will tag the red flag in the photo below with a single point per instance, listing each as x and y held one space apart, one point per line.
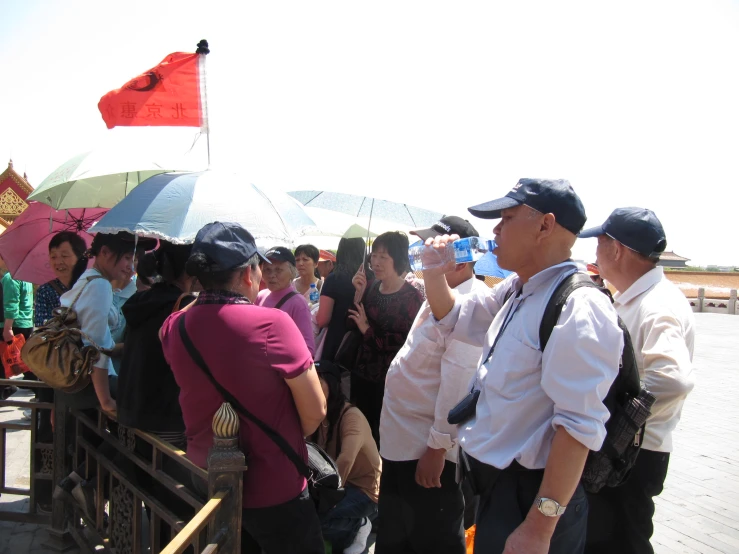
165 95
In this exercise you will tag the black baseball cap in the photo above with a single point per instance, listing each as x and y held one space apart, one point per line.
555 196
448 225
636 228
225 245
281 254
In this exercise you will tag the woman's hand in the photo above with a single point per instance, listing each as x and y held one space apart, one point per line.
360 318
109 407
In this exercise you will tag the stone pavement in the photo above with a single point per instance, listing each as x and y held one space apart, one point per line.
698 512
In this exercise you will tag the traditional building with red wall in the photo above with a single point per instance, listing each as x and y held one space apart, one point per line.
14 191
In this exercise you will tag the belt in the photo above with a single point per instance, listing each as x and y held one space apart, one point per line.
482 476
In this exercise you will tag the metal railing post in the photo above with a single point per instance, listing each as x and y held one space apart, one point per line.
226 466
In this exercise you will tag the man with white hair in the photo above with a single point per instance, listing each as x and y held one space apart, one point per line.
662 329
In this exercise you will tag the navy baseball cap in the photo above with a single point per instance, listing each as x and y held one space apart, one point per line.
280 254
555 196
636 228
225 245
448 225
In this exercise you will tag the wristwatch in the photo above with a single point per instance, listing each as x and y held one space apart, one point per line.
549 507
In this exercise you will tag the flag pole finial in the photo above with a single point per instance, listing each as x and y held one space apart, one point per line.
203 47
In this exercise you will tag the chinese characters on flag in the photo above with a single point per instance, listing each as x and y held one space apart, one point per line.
166 95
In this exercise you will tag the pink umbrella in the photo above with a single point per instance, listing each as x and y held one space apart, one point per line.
24 246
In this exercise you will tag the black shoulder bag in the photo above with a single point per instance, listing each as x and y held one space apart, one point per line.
323 477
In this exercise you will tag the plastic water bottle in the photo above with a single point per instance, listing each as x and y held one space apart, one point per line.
468 249
314 295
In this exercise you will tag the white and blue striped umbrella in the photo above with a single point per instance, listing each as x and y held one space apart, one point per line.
175 206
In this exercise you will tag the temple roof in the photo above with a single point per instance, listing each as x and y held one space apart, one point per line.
14 190
672 257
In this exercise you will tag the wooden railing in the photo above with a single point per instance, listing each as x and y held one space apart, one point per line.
41 454
147 494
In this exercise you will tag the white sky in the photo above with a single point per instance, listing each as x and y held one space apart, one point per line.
439 104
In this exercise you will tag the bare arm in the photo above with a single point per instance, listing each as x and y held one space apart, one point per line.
438 293
309 399
325 311
561 477
102 389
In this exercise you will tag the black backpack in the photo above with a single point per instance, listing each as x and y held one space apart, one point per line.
628 403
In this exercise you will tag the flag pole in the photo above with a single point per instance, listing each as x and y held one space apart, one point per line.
203 50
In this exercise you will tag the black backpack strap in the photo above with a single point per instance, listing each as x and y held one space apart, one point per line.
288 450
557 301
628 382
285 298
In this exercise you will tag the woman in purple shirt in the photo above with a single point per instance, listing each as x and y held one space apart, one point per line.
281 293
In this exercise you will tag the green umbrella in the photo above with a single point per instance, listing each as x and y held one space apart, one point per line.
97 179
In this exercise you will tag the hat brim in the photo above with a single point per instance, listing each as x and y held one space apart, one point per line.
592 232
493 209
425 234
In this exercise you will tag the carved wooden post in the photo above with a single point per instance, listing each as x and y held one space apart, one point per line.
732 302
59 538
701 298
226 466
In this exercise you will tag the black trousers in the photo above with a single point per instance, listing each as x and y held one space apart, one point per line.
621 517
289 528
505 499
368 396
417 520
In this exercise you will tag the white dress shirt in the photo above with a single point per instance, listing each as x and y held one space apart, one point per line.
526 395
662 328
93 312
428 376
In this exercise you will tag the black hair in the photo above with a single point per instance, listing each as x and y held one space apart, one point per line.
146 269
396 244
79 247
335 403
309 250
171 260
199 265
349 255
119 244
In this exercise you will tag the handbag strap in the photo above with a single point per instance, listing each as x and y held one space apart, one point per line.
278 439
285 298
71 306
178 305
56 287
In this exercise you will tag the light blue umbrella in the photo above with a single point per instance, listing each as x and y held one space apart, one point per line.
488 265
366 207
175 206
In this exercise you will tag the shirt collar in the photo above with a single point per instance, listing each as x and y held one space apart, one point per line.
543 278
221 297
466 287
61 285
277 295
640 286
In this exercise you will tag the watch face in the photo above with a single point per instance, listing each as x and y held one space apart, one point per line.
548 507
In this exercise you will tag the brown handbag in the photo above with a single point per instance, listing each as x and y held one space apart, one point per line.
56 354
